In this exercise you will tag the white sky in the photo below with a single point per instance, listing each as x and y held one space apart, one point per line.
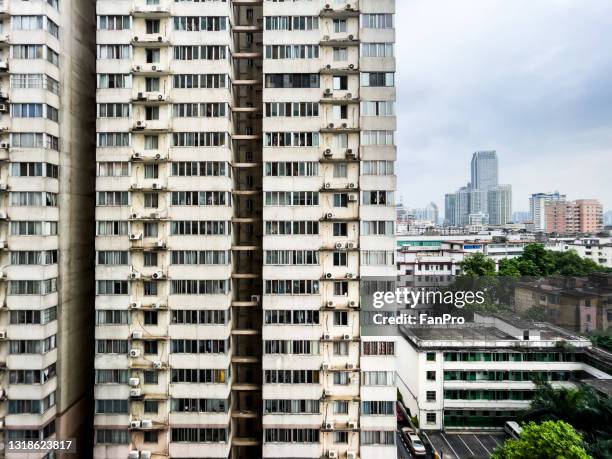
530 79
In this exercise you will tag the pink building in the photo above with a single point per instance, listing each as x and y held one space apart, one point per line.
580 216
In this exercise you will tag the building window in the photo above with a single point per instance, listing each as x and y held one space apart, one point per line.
431 356
430 418
431 376
431 395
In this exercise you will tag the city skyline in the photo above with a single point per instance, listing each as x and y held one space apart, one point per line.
531 93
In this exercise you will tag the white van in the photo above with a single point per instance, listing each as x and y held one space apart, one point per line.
513 429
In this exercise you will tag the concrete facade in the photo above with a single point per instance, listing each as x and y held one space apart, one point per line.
245 187
46 175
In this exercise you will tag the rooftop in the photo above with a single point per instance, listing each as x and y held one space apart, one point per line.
600 385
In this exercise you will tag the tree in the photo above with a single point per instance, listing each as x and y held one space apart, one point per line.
588 411
550 439
540 258
509 267
479 265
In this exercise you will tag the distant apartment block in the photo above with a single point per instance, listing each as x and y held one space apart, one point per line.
580 216
598 249
46 214
537 208
574 303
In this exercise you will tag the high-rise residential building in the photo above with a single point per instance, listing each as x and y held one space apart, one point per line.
537 204
580 216
520 216
484 170
499 202
245 190
450 205
46 210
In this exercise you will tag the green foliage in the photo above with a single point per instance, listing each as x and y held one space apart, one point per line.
478 265
602 340
588 411
550 439
537 313
415 421
534 262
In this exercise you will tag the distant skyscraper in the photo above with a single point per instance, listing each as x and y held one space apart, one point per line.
537 203
607 217
484 170
450 203
499 201
520 216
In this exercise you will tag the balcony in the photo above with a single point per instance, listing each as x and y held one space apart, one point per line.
142 10
150 40
348 40
349 10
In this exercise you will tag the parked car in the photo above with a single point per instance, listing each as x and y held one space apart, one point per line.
513 429
415 445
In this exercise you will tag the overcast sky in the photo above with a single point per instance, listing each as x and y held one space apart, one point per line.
530 79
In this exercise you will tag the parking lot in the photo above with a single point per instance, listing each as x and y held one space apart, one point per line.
465 445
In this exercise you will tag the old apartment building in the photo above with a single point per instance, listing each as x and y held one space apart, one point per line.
245 188
46 214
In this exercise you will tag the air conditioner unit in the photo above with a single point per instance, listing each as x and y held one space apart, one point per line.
157 305
146 424
134 236
134 454
154 68
134 276
2 215
352 425
328 185
2 334
351 37
160 97
332 454
255 298
134 382
350 154
338 245
329 304
134 215
351 455
350 366
134 352
158 156
327 152
145 454
329 425
136 155
137 68
325 366
141 96
137 392
155 186
344 125
135 424
154 215
157 364
326 393
327 336
157 275
158 69
135 305
141 124
352 198
327 6
160 244
352 185
349 95
328 275
4 146
330 125
329 216
4 108
328 91
349 275
325 37
328 66
352 304
351 66
136 38
137 334
348 6
346 337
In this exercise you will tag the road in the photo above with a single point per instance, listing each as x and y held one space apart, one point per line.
402 450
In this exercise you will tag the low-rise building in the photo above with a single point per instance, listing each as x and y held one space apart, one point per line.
480 375
598 249
575 303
